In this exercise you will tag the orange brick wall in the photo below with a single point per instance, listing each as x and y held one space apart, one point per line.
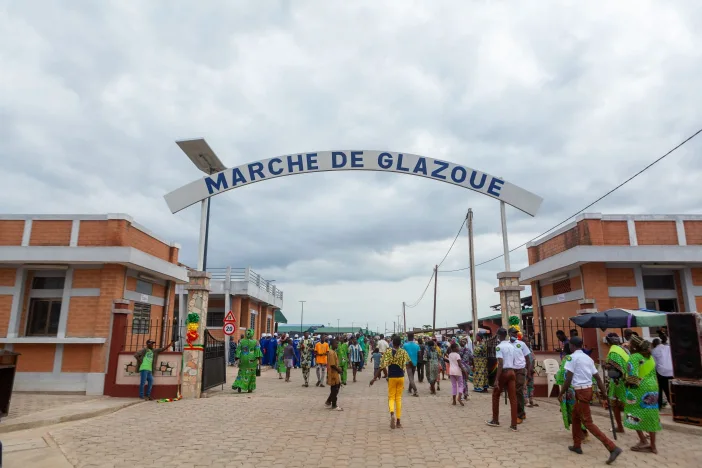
11 232
693 232
615 232
656 233
131 283
51 233
159 291
76 358
111 287
561 310
620 277
696 276
624 302
5 305
35 357
698 301
86 278
7 276
146 243
93 234
82 313
595 284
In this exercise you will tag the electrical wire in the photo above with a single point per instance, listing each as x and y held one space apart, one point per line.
460 229
686 140
416 303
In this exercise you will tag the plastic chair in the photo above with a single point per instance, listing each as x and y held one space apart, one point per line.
552 367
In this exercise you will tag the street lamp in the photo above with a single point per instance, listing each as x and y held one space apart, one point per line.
202 156
302 313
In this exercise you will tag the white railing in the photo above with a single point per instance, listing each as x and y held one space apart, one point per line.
246 274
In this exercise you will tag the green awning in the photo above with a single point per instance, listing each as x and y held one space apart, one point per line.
279 317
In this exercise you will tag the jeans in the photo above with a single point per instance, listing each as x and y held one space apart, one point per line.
146 376
395 387
410 375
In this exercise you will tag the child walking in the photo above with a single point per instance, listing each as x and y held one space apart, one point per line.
376 359
455 374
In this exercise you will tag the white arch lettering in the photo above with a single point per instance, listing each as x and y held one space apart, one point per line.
346 160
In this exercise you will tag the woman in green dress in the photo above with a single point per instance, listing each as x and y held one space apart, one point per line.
249 355
616 365
641 406
343 353
480 372
279 359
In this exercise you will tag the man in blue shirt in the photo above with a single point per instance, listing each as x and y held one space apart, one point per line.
412 349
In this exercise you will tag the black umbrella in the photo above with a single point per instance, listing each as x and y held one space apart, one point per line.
620 318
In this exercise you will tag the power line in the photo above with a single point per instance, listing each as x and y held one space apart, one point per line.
454 242
416 303
686 140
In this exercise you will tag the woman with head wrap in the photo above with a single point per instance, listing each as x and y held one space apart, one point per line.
616 364
641 409
480 362
249 355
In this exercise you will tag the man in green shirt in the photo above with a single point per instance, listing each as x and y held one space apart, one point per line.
146 361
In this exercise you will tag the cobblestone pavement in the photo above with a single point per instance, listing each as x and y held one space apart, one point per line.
284 424
23 404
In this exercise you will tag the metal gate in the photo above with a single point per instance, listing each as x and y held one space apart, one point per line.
214 367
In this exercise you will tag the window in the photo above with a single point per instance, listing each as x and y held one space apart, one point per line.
52 282
659 282
141 319
143 287
663 305
252 323
215 319
44 315
561 287
268 325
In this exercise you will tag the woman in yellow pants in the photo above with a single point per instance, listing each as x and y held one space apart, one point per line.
394 360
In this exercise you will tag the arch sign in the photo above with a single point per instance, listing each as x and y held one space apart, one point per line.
345 160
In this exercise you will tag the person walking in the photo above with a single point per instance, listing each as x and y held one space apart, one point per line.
288 358
343 354
466 353
431 354
480 364
355 357
455 374
280 356
412 349
147 360
505 380
232 351
306 353
580 370
421 363
320 351
641 409
664 367
333 376
249 355
616 365
522 368
395 360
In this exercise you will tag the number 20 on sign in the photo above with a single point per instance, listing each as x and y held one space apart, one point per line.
229 328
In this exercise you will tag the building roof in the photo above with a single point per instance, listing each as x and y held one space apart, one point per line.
279 317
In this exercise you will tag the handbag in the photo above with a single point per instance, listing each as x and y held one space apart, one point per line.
258 371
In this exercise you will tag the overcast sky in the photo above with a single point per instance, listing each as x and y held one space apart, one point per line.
565 99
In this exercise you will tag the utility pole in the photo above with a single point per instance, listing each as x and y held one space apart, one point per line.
404 317
393 327
471 253
436 277
302 313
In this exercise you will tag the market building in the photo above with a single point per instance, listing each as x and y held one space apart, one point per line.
601 261
63 278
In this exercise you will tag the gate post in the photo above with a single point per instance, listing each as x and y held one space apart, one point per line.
193 356
510 302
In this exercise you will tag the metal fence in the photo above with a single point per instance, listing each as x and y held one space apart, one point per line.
247 274
542 335
162 332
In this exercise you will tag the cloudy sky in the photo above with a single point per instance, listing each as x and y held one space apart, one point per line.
565 99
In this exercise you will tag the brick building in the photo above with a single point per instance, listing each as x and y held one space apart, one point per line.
61 277
600 262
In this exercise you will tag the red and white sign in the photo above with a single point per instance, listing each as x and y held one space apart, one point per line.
229 329
230 317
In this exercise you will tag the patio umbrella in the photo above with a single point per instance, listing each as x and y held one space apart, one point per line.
621 318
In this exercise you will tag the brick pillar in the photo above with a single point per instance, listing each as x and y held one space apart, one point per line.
120 313
198 294
510 302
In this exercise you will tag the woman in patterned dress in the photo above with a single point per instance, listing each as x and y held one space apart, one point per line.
641 408
466 363
480 372
249 355
279 360
431 355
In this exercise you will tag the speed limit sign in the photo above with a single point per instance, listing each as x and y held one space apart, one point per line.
229 328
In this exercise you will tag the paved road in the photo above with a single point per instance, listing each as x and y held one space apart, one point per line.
283 424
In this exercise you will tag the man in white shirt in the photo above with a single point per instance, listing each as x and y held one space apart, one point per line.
580 369
522 367
505 379
664 367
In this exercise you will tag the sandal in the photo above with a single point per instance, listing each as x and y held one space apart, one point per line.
642 448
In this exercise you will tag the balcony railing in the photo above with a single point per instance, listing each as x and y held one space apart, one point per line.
246 274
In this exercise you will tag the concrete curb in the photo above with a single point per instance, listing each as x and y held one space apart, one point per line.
666 421
10 426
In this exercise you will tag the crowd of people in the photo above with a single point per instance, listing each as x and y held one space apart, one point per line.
638 372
